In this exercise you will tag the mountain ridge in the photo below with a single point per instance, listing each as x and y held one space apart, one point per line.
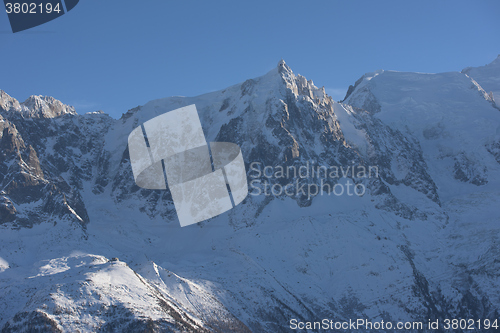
405 250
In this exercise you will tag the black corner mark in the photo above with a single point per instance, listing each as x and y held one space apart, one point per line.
26 14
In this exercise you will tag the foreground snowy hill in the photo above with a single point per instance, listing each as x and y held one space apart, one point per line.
82 248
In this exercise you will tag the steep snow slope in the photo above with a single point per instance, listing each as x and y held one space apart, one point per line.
488 76
405 250
457 127
449 115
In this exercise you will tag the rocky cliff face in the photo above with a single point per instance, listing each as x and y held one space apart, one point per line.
406 249
35 185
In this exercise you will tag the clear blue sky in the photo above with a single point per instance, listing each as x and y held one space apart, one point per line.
116 54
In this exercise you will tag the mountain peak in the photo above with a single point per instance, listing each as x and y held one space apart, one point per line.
7 102
496 61
46 107
35 106
283 67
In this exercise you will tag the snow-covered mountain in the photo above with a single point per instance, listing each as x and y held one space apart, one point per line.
82 248
488 77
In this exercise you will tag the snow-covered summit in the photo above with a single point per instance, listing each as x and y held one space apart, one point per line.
450 115
35 106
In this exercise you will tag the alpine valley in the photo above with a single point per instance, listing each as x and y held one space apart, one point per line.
83 249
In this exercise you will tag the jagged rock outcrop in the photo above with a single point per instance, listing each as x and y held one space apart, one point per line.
33 181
